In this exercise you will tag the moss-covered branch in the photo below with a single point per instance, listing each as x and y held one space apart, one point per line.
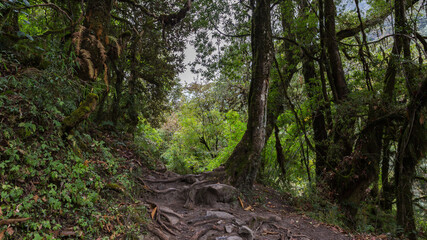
81 113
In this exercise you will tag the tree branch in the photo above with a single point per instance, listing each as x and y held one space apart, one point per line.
345 33
165 19
51 5
142 8
230 35
306 52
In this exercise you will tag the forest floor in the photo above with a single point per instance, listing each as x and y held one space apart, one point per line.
204 207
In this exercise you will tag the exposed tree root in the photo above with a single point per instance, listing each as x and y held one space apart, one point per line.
202 232
158 217
171 212
190 178
205 222
157 232
165 190
163 225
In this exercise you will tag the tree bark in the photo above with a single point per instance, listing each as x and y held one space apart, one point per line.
314 92
386 197
279 152
412 143
412 147
279 86
116 110
333 52
90 49
243 164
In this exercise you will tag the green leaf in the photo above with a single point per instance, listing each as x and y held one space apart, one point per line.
37 237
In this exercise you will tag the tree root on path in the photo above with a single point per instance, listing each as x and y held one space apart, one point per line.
190 178
157 232
202 232
206 222
158 217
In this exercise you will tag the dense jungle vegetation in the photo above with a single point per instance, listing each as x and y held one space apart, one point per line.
323 100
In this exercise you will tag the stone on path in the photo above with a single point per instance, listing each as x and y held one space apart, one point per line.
219 214
246 232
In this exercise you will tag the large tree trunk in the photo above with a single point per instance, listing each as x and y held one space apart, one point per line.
243 164
338 78
116 110
314 92
343 128
412 143
280 83
350 172
387 191
319 127
90 41
412 148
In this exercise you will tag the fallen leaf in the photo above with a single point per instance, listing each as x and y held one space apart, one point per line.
153 213
382 236
36 198
248 208
67 233
109 227
241 202
10 231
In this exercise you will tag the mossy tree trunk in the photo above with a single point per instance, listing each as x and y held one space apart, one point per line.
90 43
243 164
314 92
412 148
413 141
81 113
281 79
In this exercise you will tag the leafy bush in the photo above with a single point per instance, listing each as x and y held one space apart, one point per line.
203 140
56 183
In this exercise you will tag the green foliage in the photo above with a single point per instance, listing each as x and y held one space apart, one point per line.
202 139
150 140
319 208
59 183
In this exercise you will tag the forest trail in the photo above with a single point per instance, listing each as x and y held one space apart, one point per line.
192 207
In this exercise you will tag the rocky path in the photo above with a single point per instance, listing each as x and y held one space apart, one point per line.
193 207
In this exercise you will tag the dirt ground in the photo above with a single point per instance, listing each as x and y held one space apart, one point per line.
202 207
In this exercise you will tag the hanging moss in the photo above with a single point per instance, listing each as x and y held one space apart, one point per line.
81 113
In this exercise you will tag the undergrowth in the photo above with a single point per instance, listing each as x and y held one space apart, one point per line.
54 185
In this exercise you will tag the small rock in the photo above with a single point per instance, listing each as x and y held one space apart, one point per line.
234 238
228 228
219 214
213 193
221 238
246 232
275 218
239 221
172 219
